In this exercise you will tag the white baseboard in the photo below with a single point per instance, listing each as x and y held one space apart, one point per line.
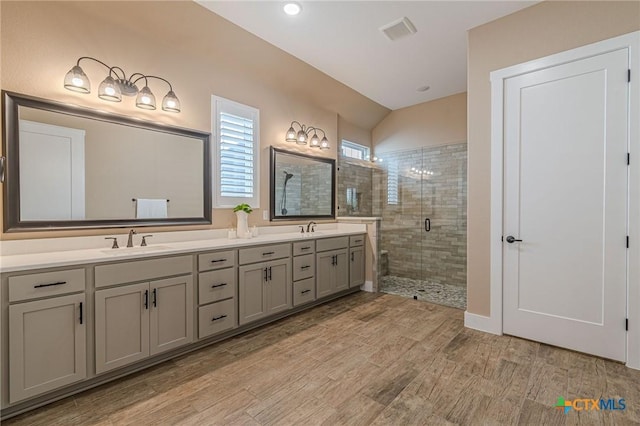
481 323
367 286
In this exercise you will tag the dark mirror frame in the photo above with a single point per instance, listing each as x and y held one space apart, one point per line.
11 173
272 189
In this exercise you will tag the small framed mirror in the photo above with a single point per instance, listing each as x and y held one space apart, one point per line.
302 186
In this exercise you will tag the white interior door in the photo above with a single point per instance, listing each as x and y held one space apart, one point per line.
565 197
51 172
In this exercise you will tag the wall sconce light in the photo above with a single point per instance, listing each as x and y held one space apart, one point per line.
301 137
117 84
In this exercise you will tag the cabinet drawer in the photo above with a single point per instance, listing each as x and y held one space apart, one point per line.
304 291
332 243
32 286
356 240
216 260
217 317
304 247
128 272
304 267
216 285
260 254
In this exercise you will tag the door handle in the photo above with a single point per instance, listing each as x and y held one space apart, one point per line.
427 225
269 273
155 298
80 312
352 257
511 239
266 276
146 299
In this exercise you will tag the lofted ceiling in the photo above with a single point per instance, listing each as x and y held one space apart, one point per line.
343 40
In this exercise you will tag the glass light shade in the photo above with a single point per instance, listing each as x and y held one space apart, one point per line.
302 138
145 99
76 80
291 135
109 90
315 141
170 102
324 144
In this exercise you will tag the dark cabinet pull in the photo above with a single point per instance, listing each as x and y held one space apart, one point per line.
80 312
352 257
218 318
305 267
305 291
269 273
427 225
155 298
146 299
268 253
305 248
50 284
218 285
266 276
357 241
218 260
336 256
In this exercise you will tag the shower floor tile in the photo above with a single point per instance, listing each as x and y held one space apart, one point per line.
442 294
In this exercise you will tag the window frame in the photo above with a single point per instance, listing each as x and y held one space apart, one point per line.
218 105
366 151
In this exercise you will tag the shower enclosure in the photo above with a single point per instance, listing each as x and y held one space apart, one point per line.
423 205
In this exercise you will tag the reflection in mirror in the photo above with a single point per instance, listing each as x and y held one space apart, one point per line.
71 167
302 186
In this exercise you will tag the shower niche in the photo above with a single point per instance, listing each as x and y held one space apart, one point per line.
301 186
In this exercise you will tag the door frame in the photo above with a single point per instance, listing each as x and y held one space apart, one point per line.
631 41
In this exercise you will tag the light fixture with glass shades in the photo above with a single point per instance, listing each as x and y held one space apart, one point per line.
117 84
307 134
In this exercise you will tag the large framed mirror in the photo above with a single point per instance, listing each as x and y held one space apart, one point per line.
70 168
302 186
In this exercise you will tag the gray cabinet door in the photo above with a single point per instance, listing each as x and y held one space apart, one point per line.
122 326
47 345
171 308
279 288
324 273
251 280
341 270
356 267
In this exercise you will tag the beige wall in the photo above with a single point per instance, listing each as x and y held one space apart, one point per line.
439 122
198 51
541 30
353 132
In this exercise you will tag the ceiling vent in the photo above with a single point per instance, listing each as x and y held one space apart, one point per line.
398 29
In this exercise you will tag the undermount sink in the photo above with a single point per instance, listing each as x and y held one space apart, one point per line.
132 250
311 234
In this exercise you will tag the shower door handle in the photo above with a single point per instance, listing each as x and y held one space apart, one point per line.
427 225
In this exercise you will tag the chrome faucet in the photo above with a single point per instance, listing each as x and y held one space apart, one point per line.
130 240
311 226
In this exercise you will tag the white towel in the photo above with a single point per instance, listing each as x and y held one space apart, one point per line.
151 208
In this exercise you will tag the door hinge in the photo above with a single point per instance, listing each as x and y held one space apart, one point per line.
626 324
628 76
627 241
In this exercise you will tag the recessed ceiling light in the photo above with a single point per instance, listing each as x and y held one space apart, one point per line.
292 8
423 88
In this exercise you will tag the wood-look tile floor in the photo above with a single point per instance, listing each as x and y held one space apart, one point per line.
363 359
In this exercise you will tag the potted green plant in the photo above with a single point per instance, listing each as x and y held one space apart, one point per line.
242 214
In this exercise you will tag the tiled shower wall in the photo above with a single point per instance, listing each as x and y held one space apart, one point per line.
304 195
438 193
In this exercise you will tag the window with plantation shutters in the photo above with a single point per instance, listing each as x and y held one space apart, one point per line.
236 153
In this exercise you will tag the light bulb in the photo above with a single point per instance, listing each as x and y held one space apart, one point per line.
292 8
291 135
77 81
109 90
170 102
146 99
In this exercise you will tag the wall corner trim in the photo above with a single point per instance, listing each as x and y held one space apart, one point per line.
482 323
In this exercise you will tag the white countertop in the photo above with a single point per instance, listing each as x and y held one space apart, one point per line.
158 247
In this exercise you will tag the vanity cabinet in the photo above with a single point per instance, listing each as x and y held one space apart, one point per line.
332 265
356 261
304 271
264 288
135 321
217 292
47 337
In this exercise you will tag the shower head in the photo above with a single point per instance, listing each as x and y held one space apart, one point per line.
287 176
